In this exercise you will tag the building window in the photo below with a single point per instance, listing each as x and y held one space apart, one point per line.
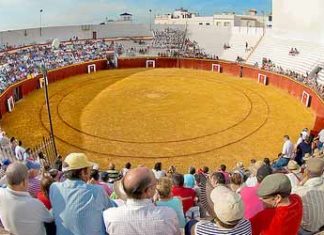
218 24
207 23
227 24
200 23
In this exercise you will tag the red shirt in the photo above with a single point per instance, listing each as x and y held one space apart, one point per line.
44 200
187 196
283 220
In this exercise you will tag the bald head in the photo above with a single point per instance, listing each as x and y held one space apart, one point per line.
16 173
137 182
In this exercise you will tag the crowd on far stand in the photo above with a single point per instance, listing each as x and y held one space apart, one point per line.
72 196
25 63
268 64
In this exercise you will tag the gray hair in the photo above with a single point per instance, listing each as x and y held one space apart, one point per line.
16 173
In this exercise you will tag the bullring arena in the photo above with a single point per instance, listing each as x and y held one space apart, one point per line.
179 116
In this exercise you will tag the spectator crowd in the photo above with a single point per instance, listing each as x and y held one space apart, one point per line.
268 64
26 62
72 196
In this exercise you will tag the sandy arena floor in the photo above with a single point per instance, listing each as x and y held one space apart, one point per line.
178 116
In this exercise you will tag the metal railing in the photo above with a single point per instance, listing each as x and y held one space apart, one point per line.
46 146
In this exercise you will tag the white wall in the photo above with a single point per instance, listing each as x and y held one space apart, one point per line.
299 19
63 33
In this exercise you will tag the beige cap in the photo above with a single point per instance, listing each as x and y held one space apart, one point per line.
228 205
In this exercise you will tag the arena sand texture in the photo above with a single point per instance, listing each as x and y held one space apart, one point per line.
180 117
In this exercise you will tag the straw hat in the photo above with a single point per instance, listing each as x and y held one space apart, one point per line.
317 153
306 157
75 161
293 167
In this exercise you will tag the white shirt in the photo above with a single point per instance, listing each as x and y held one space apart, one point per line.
21 214
288 149
251 181
158 174
19 152
312 195
293 179
321 136
141 217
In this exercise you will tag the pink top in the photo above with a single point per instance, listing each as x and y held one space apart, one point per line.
251 200
227 177
107 189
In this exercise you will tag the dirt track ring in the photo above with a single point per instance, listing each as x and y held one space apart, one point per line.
201 140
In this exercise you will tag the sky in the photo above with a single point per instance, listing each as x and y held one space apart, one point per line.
17 14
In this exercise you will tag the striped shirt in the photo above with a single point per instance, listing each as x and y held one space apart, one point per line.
210 228
312 195
33 187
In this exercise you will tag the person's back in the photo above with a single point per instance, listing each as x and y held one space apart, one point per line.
252 202
20 208
283 211
189 181
312 191
187 195
21 214
77 206
140 217
211 228
283 220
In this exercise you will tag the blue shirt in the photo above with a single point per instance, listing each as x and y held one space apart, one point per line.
176 205
189 181
78 207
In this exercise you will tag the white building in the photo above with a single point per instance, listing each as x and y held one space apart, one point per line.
225 19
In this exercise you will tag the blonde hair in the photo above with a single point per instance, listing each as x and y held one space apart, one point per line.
164 186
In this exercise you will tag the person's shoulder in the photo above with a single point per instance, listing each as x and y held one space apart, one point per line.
165 212
114 212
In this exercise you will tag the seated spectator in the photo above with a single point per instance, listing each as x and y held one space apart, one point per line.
311 192
302 148
252 179
94 179
293 174
237 181
34 186
126 169
104 178
19 151
189 179
19 212
58 163
222 169
229 219
118 195
4 165
157 170
172 170
113 174
140 215
187 195
283 212
165 198
43 195
286 154
266 161
77 206
251 200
